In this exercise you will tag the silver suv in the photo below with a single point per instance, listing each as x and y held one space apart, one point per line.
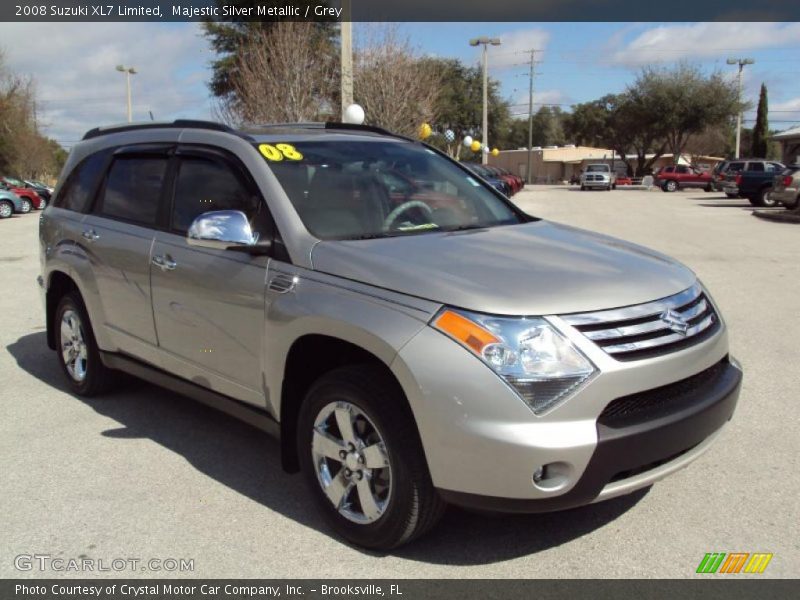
413 338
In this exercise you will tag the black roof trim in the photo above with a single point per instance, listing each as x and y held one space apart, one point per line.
329 126
176 124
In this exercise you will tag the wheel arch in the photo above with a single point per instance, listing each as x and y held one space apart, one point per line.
58 284
310 357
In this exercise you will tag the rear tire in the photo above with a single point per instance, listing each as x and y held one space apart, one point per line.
765 198
401 502
670 186
25 206
42 204
708 188
731 196
77 349
6 209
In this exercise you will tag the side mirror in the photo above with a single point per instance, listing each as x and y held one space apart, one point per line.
221 230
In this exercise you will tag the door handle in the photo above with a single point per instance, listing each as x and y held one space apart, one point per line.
165 263
90 235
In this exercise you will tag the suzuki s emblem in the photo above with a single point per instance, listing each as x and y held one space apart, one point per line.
675 321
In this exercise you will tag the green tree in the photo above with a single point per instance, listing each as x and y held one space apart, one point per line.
459 104
684 102
761 129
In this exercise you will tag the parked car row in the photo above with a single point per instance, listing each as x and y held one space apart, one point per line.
22 196
501 179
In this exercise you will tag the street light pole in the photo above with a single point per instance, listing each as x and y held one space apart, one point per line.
128 72
485 41
741 62
346 56
528 176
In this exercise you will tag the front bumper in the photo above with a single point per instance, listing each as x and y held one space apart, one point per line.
630 457
483 444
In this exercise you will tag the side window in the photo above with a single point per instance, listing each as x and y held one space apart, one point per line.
133 189
76 193
735 167
669 169
756 166
683 169
205 185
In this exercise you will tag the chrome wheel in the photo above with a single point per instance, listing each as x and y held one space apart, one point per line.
73 345
25 206
351 462
5 210
42 204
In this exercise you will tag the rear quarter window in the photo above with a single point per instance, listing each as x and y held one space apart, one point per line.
79 188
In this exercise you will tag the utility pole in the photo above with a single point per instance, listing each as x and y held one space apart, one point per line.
347 56
485 41
530 123
741 62
128 72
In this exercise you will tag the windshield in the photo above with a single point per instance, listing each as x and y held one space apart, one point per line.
14 182
370 189
598 169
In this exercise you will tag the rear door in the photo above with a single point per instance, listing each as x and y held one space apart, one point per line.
118 236
209 304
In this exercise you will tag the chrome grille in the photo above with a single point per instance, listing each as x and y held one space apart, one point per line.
651 329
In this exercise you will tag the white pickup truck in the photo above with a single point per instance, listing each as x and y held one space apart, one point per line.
598 176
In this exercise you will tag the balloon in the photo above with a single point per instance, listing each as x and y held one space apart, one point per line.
425 131
354 114
449 135
486 149
475 146
468 141
495 152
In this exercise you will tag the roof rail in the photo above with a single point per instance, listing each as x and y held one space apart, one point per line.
329 126
368 128
176 124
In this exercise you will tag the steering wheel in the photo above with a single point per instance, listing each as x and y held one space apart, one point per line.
404 207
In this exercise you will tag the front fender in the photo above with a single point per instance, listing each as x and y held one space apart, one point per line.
377 321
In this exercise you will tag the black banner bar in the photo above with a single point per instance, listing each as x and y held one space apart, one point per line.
401 10
714 587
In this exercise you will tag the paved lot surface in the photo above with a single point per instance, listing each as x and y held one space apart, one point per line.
146 474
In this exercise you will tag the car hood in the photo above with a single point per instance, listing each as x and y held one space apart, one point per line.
537 268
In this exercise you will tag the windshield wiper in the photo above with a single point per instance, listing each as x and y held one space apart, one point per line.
465 227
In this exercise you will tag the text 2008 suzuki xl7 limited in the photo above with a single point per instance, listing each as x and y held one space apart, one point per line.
413 338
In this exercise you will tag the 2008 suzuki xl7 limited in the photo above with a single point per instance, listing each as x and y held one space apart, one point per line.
413 338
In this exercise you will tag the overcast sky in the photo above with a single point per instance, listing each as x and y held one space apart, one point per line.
73 64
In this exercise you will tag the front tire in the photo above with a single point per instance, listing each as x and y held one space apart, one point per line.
77 349
362 458
25 206
731 196
6 209
671 186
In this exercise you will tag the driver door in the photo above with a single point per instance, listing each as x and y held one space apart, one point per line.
209 304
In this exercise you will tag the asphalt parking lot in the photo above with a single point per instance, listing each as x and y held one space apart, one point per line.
143 473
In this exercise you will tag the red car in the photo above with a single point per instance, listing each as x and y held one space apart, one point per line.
624 180
676 177
26 194
514 182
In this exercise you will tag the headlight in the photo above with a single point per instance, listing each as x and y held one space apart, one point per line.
528 353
